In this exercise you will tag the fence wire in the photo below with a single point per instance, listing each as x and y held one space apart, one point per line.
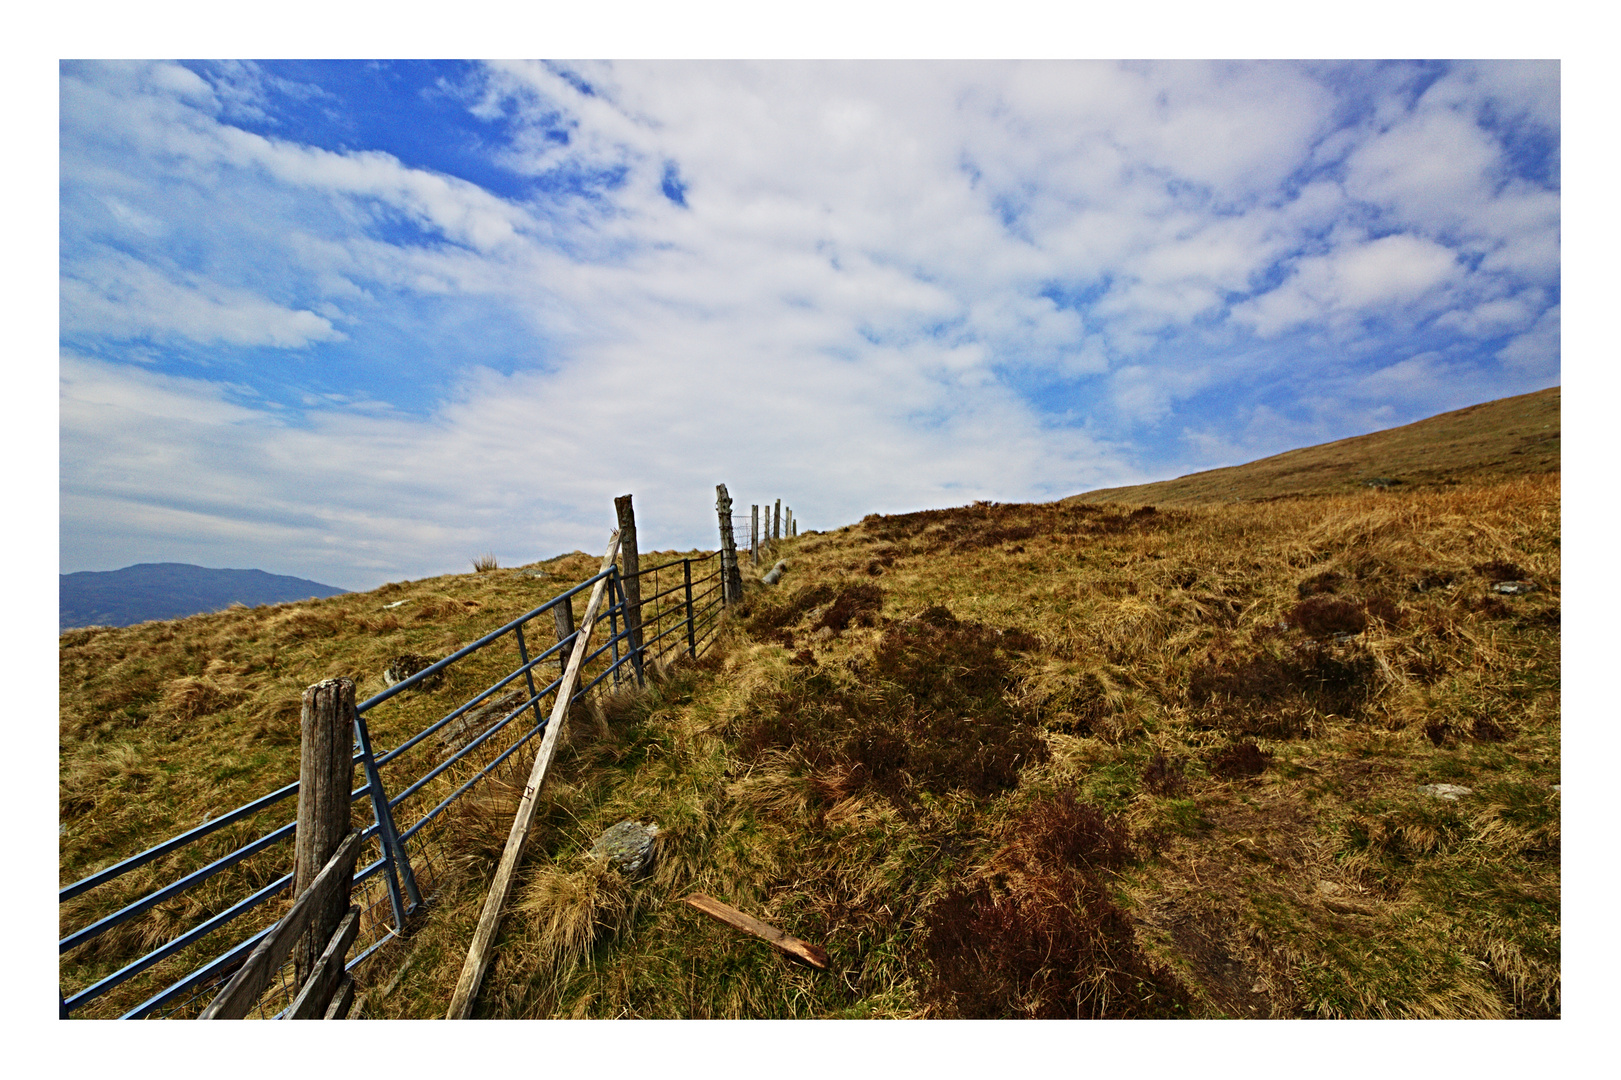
210 894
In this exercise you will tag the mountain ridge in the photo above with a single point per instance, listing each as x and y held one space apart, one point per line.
143 592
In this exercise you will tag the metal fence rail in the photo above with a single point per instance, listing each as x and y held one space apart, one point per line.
231 873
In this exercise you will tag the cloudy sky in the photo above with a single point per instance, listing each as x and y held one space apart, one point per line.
361 322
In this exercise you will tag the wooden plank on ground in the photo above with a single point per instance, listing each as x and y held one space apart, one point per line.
327 973
242 992
478 953
732 917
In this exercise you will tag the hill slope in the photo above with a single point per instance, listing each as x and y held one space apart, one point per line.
1515 436
148 591
997 760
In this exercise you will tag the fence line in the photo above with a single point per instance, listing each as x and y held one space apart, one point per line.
404 847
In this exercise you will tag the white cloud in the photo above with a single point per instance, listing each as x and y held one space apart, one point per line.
119 297
1353 280
160 466
1536 352
873 264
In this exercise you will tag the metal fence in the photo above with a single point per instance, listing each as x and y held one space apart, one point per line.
189 910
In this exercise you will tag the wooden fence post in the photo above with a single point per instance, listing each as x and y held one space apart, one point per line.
754 535
563 617
776 522
326 776
630 583
731 575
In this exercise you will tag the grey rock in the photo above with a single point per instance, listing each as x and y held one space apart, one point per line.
395 604
1449 792
774 575
628 847
405 665
1514 588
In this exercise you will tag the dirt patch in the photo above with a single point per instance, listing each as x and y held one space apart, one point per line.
1232 985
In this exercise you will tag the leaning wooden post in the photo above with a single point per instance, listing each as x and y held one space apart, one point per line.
326 775
776 522
489 920
630 583
731 575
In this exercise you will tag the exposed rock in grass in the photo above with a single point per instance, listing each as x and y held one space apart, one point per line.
628 847
405 665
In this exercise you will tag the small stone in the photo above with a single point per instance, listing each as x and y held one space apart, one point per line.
1514 588
405 665
395 604
1350 907
1449 792
628 847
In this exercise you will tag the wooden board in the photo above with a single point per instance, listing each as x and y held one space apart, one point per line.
328 972
242 992
489 920
732 917
342 1000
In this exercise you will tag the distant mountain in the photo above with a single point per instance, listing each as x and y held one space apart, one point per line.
148 591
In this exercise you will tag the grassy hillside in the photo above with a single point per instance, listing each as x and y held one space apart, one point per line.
1000 760
1516 436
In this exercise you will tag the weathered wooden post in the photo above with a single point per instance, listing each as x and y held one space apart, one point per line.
692 640
754 534
630 583
731 576
326 775
563 617
776 522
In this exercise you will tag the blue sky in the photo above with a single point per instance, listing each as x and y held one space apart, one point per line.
364 321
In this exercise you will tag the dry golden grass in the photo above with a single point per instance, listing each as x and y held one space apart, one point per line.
887 753
1325 885
166 724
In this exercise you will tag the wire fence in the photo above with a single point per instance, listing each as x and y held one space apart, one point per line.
189 910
